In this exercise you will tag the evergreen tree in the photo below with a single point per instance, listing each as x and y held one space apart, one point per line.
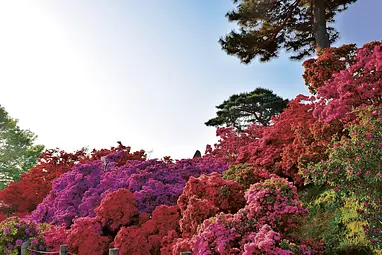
256 107
266 26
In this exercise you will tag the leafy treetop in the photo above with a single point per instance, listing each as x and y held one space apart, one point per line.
18 153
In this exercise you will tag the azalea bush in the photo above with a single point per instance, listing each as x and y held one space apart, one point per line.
206 196
147 238
153 183
22 197
86 237
263 226
14 231
360 84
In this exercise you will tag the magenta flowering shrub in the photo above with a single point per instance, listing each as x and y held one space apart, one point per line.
274 202
15 231
153 182
358 85
267 241
216 236
266 225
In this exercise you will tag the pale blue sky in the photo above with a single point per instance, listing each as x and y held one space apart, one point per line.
147 73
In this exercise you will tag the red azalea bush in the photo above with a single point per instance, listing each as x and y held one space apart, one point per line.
330 61
147 238
54 236
206 196
132 240
117 208
85 237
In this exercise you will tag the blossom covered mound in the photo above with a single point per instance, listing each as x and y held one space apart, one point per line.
153 183
263 226
206 196
22 197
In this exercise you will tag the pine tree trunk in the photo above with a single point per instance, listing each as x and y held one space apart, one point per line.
320 33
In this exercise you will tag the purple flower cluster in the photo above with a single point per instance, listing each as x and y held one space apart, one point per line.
153 182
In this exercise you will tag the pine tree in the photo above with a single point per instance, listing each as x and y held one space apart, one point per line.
266 26
256 107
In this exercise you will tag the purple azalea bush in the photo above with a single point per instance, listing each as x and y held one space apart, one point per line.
153 182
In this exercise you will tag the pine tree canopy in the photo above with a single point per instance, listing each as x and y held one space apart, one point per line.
267 26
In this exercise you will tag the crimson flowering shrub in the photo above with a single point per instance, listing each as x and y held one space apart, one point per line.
85 237
354 168
147 238
112 154
78 192
132 240
54 236
24 196
206 196
117 208
14 231
360 84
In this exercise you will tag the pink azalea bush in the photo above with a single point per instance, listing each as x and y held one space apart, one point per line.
265 225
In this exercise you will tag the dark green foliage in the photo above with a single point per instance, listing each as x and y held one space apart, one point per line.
256 107
17 152
266 26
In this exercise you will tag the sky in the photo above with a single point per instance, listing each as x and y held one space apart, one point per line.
148 73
